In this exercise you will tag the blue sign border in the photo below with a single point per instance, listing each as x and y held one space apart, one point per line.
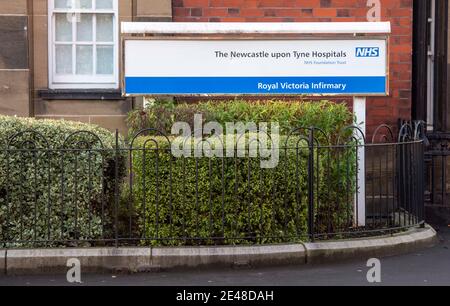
364 85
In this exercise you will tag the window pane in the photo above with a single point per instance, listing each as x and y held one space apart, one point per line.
62 4
104 4
64 59
63 27
84 60
105 60
83 4
84 28
105 28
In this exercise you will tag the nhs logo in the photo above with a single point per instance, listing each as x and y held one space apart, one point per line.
367 52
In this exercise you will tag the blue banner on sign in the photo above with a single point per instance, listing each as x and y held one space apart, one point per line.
255 85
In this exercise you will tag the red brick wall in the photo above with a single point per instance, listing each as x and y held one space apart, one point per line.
398 12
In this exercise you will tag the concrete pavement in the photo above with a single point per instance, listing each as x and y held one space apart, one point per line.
428 267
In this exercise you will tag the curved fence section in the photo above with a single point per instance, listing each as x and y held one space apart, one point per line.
254 188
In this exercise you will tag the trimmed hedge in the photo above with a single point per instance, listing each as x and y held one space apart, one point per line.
189 200
328 116
186 201
57 189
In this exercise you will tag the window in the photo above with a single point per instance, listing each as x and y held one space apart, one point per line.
83 44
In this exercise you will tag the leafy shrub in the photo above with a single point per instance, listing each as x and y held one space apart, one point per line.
189 200
328 116
56 180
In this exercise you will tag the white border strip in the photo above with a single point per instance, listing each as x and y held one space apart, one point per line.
256 28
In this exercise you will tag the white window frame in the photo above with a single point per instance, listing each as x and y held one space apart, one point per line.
82 81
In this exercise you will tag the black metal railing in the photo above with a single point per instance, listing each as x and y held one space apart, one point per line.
436 157
323 187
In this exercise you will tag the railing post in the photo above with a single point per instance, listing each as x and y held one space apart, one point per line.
6 233
311 185
116 190
421 160
359 109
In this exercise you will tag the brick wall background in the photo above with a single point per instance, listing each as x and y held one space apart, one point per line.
398 12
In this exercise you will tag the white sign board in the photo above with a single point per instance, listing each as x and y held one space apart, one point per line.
256 67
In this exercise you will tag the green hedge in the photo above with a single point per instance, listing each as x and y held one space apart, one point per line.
179 199
328 116
61 191
64 192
